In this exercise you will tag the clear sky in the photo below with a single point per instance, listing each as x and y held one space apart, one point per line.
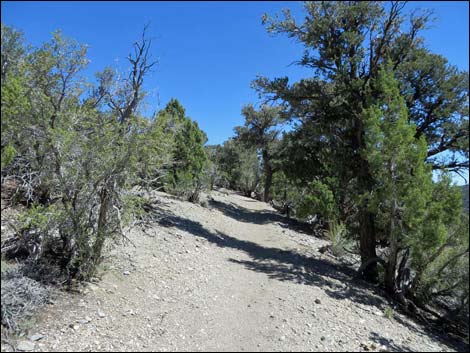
208 52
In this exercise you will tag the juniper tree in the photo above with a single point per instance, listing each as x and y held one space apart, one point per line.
402 180
259 131
346 44
238 165
436 95
188 155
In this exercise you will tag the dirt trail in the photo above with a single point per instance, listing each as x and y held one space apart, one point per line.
233 276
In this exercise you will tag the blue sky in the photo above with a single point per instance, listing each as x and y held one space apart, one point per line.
208 52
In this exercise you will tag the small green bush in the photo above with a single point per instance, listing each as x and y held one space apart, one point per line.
388 313
337 234
8 154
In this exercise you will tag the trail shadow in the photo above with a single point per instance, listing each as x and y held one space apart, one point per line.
282 265
388 343
336 280
243 214
438 333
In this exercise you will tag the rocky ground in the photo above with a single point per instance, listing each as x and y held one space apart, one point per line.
232 276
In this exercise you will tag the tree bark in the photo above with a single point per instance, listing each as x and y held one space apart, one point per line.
367 229
102 221
367 244
403 275
390 269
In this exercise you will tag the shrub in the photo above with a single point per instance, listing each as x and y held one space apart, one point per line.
337 234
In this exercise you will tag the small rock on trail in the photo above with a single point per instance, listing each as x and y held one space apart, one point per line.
250 282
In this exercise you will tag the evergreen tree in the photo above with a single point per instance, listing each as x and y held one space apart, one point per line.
260 132
188 153
239 166
402 180
346 44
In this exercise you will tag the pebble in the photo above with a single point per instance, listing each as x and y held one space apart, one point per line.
36 337
83 321
25 346
308 326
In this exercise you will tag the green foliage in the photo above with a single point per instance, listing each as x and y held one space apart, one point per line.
318 200
14 109
396 160
41 218
212 169
133 206
238 166
389 313
285 193
189 159
154 152
371 123
38 233
248 175
77 153
260 126
259 131
337 234
437 96
442 217
440 249
12 52
8 153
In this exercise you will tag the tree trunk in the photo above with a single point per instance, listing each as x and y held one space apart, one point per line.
342 197
390 269
366 218
403 276
367 245
102 220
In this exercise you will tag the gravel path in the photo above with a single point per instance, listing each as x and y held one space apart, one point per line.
233 276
